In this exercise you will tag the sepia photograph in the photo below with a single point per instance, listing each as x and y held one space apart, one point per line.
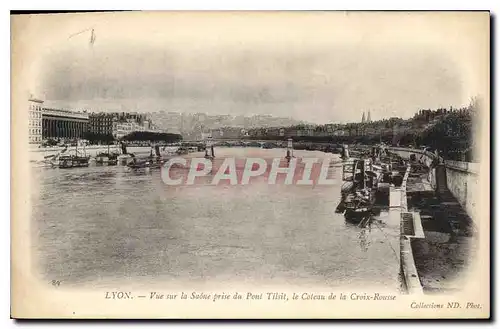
277 165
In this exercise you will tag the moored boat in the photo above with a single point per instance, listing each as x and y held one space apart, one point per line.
359 205
182 150
109 158
73 161
358 190
150 163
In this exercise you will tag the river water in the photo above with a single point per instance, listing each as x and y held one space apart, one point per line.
101 225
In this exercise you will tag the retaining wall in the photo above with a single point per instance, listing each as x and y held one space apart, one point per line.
461 177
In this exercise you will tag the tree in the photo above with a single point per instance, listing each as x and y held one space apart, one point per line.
94 138
452 135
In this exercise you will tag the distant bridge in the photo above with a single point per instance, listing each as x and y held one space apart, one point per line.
244 140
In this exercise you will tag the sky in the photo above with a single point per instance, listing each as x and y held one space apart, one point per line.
316 67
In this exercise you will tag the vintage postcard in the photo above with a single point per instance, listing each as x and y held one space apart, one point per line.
276 165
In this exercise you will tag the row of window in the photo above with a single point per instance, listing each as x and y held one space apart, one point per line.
35 123
35 115
35 131
35 139
35 108
64 124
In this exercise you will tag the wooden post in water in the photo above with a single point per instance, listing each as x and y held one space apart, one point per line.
209 145
363 176
289 148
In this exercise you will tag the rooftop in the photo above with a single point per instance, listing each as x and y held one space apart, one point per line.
63 112
32 99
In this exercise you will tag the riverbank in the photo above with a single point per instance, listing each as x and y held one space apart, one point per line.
437 259
449 242
449 246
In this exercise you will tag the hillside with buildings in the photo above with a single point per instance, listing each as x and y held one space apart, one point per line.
195 125
449 131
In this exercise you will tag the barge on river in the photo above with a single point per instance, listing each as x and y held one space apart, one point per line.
107 158
76 160
366 181
73 161
358 191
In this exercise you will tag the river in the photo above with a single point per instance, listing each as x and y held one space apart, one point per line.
100 225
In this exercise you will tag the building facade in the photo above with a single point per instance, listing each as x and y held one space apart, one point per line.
65 124
227 133
35 121
122 128
101 123
136 117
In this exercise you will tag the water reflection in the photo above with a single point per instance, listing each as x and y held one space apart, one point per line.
363 242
